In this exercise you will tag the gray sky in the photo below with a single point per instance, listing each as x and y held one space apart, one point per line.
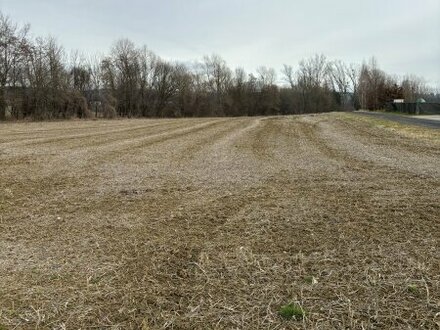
404 35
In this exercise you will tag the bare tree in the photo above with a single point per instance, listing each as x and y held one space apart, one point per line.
93 64
312 82
338 72
413 88
147 62
371 82
36 80
237 96
184 90
353 74
13 51
268 93
339 76
289 75
312 72
125 59
163 85
218 79
266 76
80 73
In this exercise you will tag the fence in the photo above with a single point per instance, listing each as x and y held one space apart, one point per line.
415 108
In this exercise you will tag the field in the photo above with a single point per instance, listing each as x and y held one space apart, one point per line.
219 223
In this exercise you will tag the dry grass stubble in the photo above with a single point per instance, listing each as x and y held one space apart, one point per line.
214 223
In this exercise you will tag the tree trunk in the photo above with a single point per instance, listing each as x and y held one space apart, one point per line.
2 103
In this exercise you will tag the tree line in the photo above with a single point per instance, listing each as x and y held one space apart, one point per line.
39 81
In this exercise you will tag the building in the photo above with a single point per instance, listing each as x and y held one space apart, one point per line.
420 107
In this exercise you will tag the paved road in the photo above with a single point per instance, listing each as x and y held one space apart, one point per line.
402 119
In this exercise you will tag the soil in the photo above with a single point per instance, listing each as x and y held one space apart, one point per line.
218 223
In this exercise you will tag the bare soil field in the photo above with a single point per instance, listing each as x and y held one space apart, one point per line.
217 223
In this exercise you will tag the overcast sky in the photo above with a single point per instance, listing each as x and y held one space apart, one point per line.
404 35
